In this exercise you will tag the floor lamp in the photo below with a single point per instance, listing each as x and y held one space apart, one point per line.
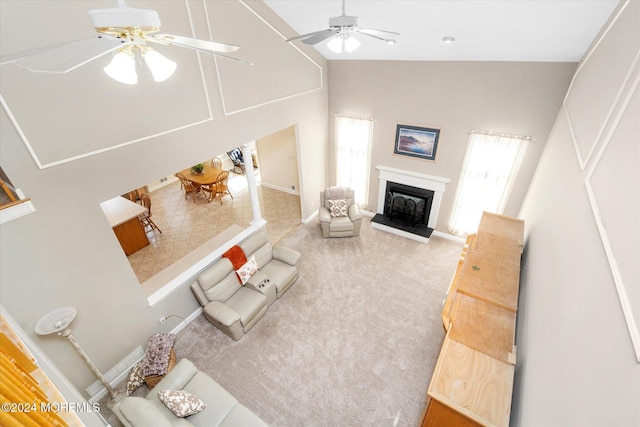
57 321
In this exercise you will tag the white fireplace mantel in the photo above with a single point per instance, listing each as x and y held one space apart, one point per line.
428 182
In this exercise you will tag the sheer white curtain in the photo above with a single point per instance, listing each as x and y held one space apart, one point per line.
489 170
353 155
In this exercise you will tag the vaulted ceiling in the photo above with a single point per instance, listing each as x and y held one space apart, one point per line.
502 30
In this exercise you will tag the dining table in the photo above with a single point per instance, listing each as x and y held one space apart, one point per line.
207 177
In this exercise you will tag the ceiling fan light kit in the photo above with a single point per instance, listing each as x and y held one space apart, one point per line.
340 34
124 63
125 31
343 43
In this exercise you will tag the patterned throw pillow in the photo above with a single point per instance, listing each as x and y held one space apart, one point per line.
247 270
181 403
337 207
136 379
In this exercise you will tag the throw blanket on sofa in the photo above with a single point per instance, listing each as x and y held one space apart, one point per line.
237 257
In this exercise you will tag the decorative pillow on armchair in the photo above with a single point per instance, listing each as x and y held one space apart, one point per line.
337 207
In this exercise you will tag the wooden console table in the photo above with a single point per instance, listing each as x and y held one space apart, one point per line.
473 380
122 215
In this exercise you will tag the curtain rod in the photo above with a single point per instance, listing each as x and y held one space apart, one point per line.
505 135
350 116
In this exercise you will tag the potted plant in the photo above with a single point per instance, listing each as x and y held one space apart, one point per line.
198 168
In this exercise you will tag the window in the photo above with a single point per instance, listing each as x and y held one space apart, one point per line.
353 155
489 170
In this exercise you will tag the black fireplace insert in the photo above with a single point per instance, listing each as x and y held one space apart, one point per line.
407 208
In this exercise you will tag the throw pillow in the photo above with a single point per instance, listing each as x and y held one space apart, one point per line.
181 403
247 270
337 207
136 379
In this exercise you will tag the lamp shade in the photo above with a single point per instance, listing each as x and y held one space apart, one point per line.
122 68
56 321
161 67
351 44
343 42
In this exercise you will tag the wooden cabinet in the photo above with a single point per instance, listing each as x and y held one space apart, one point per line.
122 215
473 380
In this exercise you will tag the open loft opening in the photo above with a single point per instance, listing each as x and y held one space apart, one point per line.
167 227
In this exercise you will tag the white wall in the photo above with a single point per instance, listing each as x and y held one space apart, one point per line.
278 160
455 97
65 253
576 363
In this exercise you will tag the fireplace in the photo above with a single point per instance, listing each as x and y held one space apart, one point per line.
408 203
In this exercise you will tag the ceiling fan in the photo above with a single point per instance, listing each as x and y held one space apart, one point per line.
123 30
340 34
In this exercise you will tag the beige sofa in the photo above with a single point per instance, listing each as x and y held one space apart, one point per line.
222 409
235 308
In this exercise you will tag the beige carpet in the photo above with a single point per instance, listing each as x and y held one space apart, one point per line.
353 343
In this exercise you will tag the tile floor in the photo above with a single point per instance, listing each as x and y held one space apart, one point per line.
186 225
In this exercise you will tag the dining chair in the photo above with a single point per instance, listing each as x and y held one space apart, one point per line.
131 195
221 186
189 187
216 162
146 220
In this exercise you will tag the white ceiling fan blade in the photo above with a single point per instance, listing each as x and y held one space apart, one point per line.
304 36
381 34
320 36
234 59
70 56
205 46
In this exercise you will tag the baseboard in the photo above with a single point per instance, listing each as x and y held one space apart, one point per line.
185 322
310 218
115 375
120 372
169 180
449 236
279 188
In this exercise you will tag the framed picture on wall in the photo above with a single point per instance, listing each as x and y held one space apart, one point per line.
416 141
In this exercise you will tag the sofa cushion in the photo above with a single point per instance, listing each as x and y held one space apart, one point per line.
241 416
253 242
218 400
142 412
219 281
342 223
247 303
281 274
287 255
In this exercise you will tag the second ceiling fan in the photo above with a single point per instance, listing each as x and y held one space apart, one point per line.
340 34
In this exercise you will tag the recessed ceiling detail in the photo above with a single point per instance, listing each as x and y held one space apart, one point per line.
280 69
65 117
588 97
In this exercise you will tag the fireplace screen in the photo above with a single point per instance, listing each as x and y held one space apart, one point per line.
405 208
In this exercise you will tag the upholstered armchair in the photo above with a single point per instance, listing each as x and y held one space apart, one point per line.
339 214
